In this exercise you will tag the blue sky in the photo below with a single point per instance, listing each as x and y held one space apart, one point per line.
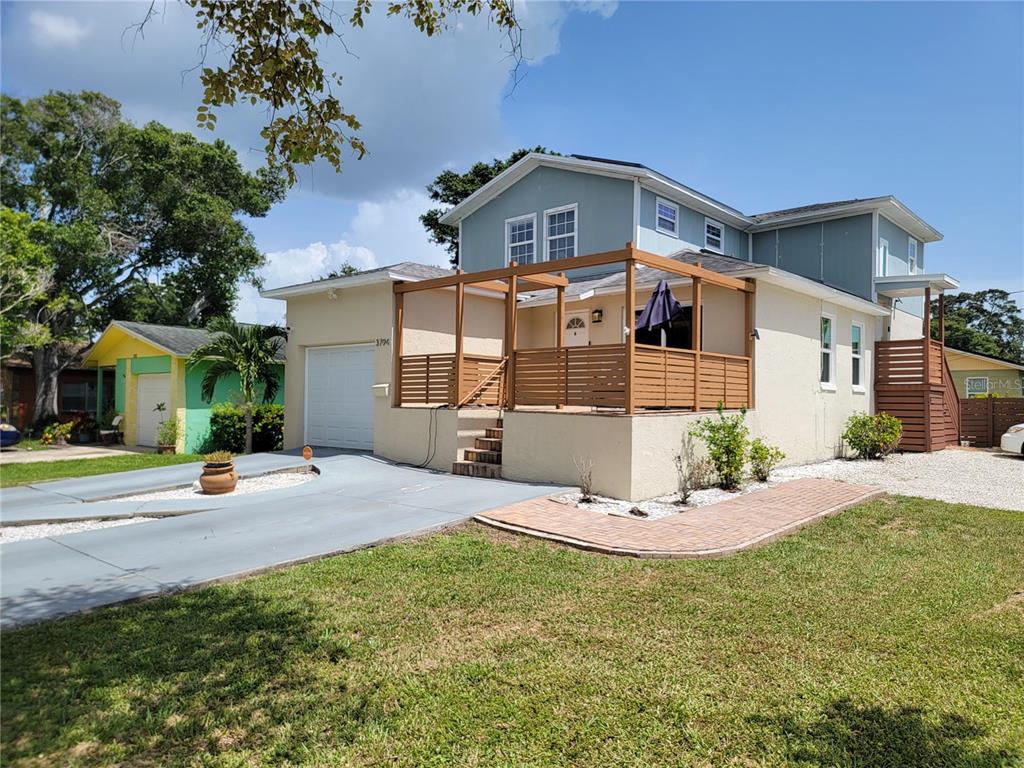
761 105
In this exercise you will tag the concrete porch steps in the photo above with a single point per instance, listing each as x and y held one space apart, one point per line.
484 458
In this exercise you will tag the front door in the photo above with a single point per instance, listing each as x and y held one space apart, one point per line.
152 390
577 332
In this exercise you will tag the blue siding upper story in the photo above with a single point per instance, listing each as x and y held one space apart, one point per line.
690 231
898 262
604 215
836 252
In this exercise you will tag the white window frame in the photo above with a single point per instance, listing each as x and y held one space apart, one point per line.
829 385
882 259
912 256
657 217
858 356
508 245
574 207
721 227
967 385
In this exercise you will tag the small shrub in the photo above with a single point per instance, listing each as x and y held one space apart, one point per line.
704 474
217 457
227 428
167 433
726 439
692 474
873 437
56 432
585 471
764 458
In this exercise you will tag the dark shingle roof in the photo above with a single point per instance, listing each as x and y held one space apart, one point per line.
814 208
178 340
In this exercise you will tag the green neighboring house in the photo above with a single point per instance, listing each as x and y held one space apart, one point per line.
149 364
979 376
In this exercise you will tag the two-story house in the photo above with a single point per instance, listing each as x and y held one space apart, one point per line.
529 357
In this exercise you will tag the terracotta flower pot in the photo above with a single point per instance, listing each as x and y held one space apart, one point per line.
218 478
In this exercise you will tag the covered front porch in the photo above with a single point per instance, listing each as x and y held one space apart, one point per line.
539 368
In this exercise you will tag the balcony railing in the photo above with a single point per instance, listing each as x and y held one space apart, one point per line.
593 376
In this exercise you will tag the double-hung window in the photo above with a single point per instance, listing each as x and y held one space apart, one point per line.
977 386
667 217
520 239
828 357
857 356
560 232
912 256
78 396
714 235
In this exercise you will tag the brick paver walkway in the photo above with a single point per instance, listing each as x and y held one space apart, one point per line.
712 531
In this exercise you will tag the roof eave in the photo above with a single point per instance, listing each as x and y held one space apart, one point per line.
337 284
909 220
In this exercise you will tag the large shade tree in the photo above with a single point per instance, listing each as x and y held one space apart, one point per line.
984 322
141 221
26 277
450 188
248 352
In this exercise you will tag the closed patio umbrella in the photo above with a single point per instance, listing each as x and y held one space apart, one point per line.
661 308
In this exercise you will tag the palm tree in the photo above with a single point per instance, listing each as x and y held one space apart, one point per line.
247 350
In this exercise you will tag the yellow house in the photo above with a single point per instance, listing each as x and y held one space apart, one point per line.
152 382
979 375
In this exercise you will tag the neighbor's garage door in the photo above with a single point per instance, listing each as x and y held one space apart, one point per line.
153 389
339 396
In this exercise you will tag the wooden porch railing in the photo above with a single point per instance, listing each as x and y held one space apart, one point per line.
594 376
430 379
913 383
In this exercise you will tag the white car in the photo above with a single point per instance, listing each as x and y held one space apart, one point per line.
1013 440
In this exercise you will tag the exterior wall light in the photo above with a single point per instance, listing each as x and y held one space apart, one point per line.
755 335
597 316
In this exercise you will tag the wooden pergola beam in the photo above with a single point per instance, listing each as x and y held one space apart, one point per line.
548 281
689 270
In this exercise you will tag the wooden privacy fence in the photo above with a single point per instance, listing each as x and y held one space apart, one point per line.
913 361
427 379
984 420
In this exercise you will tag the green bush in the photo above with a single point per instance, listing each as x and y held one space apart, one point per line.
167 432
227 428
873 437
726 439
764 458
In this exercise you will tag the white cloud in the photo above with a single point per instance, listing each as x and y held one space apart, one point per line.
380 233
51 29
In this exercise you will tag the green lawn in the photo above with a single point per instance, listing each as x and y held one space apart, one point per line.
41 471
891 635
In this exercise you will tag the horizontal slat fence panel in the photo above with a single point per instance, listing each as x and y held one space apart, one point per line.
594 376
723 379
934 362
900 362
481 368
663 377
984 420
428 378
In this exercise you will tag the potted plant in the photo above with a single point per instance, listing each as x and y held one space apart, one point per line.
219 474
167 436
57 433
85 430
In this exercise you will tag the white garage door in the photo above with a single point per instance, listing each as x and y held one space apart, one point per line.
152 389
339 396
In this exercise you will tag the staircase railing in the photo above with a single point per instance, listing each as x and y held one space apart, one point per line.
950 397
499 370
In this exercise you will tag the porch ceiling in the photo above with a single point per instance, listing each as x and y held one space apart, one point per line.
901 286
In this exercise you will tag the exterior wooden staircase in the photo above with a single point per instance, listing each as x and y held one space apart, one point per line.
484 458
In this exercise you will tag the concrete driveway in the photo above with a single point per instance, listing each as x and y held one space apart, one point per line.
358 500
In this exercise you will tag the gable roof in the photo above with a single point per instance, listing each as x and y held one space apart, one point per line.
888 205
1005 361
175 340
406 271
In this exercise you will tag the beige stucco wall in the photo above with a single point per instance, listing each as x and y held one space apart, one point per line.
903 325
364 315
723 319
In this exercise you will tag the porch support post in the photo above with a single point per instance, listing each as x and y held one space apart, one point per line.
942 318
749 348
695 316
926 326
396 349
510 340
630 324
99 394
560 338
460 300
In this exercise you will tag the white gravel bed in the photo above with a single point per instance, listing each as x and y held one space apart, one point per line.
14 533
979 477
272 482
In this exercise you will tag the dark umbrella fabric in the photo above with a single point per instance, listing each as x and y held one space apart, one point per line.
660 309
